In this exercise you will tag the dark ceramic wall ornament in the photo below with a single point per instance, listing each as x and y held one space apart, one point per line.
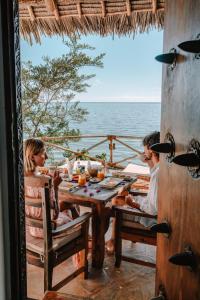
190 159
169 58
162 227
167 147
192 46
187 258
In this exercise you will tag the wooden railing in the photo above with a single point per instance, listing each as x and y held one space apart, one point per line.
110 139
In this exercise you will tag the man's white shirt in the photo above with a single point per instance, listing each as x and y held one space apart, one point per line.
149 203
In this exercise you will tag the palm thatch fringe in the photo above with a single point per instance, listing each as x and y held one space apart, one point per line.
121 24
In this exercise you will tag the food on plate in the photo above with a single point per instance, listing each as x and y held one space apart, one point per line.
140 184
110 182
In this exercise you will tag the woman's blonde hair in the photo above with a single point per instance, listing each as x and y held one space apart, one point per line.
31 147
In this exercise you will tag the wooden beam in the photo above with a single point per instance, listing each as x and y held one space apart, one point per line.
31 12
103 7
92 14
79 9
154 6
51 6
128 7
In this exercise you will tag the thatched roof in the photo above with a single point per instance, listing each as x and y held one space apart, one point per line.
64 17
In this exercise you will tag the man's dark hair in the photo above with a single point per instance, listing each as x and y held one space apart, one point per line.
152 138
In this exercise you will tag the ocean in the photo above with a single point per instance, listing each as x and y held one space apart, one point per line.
116 118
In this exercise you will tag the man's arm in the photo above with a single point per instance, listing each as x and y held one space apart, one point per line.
130 200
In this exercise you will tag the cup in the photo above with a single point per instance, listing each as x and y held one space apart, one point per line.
93 170
82 180
63 173
101 174
52 170
70 169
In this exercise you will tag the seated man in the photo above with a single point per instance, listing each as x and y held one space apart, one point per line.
147 203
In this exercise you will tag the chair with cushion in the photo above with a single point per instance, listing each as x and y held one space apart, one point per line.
59 243
127 229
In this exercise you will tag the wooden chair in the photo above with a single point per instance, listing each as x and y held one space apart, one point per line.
127 229
58 243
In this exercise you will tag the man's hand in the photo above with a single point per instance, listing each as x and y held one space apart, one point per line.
129 200
143 157
122 192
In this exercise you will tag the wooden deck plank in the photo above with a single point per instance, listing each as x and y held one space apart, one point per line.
130 281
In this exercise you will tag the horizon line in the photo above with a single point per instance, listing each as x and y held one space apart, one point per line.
83 101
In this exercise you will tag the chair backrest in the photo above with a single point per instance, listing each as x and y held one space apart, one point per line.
127 227
41 184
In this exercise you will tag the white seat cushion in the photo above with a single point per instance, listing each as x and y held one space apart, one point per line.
135 225
37 244
132 221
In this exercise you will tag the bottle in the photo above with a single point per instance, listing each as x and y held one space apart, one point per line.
82 168
70 170
78 167
82 177
106 171
88 166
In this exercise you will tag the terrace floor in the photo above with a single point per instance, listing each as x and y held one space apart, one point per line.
130 281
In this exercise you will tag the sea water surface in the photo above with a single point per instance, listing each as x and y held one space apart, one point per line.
117 118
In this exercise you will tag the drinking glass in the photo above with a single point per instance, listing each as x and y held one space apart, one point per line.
82 179
52 170
101 174
63 173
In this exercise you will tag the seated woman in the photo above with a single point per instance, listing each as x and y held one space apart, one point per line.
35 156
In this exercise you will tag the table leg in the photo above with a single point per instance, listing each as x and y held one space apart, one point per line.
99 227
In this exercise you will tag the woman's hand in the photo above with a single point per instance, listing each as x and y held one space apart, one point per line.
56 179
129 200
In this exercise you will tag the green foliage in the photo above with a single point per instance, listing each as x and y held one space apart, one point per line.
101 156
84 152
48 88
81 157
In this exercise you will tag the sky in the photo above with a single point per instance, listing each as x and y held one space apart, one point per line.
130 73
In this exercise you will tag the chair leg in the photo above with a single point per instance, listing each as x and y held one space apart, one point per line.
86 250
86 269
48 276
118 252
74 212
118 240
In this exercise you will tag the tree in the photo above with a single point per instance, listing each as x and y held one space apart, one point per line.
48 88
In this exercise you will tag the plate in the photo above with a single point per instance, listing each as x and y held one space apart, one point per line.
139 191
94 180
110 182
75 177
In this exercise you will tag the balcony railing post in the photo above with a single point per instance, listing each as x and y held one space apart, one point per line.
111 146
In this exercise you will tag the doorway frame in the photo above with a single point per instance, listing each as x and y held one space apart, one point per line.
11 155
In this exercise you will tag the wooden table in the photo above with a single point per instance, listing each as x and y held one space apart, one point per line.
91 197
